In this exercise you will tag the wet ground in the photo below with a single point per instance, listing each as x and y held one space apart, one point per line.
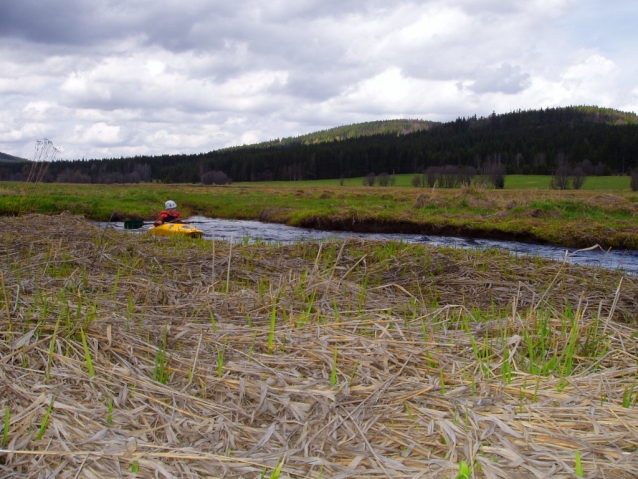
252 231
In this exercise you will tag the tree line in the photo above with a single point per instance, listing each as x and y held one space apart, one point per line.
521 142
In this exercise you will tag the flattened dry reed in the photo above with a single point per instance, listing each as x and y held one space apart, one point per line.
386 360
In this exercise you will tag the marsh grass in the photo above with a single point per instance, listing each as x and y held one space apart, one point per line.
607 214
362 358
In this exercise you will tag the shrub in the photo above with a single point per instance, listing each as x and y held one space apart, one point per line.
496 176
466 175
216 178
578 177
383 179
368 180
431 175
561 177
634 180
448 177
72 176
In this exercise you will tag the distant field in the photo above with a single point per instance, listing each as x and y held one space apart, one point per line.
513 182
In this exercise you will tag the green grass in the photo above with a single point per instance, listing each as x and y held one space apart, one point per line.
512 182
535 213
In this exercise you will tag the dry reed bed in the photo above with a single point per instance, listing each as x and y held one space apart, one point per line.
127 355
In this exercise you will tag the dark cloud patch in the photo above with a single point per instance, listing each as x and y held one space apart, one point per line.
505 79
47 21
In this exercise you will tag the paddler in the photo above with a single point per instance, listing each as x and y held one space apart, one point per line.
170 215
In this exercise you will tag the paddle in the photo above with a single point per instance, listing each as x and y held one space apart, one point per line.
133 224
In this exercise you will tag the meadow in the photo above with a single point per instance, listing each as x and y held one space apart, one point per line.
515 182
125 355
604 214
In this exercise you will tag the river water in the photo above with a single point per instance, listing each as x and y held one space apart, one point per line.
240 230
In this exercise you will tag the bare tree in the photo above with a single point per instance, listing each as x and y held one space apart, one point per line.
431 176
418 180
578 177
73 176
215 178
634 180
368 180
561 177
341 180
449 177
496 176
383 179
466 175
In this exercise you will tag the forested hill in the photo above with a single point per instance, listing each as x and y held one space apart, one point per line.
526 142
357 130
5 158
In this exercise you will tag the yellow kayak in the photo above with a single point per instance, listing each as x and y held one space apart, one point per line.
176 229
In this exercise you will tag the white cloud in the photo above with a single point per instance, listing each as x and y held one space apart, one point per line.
116 78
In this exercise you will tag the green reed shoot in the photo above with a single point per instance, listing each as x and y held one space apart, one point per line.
333 374
464 471
220 360
135 467
109 416
354 371
213 324
249 321
117 279
87 354
336 310
162 360
130 308
506 369
578 465
271 333
51 350
538 381
5 435
252 346
277 471
409 411
628 394
45 421
568 356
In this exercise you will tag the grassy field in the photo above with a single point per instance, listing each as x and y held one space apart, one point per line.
608 183
125 355
569 218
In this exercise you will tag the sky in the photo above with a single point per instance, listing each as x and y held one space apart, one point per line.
111 78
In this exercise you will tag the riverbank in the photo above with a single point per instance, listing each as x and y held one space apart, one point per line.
128 353
565 218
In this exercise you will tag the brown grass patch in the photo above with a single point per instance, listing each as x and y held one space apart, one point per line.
422 338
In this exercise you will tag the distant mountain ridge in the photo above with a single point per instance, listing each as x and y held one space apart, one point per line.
346 132
5 158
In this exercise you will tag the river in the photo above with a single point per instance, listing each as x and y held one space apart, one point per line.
241 230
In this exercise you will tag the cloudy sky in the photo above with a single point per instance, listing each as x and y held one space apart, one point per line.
105 78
